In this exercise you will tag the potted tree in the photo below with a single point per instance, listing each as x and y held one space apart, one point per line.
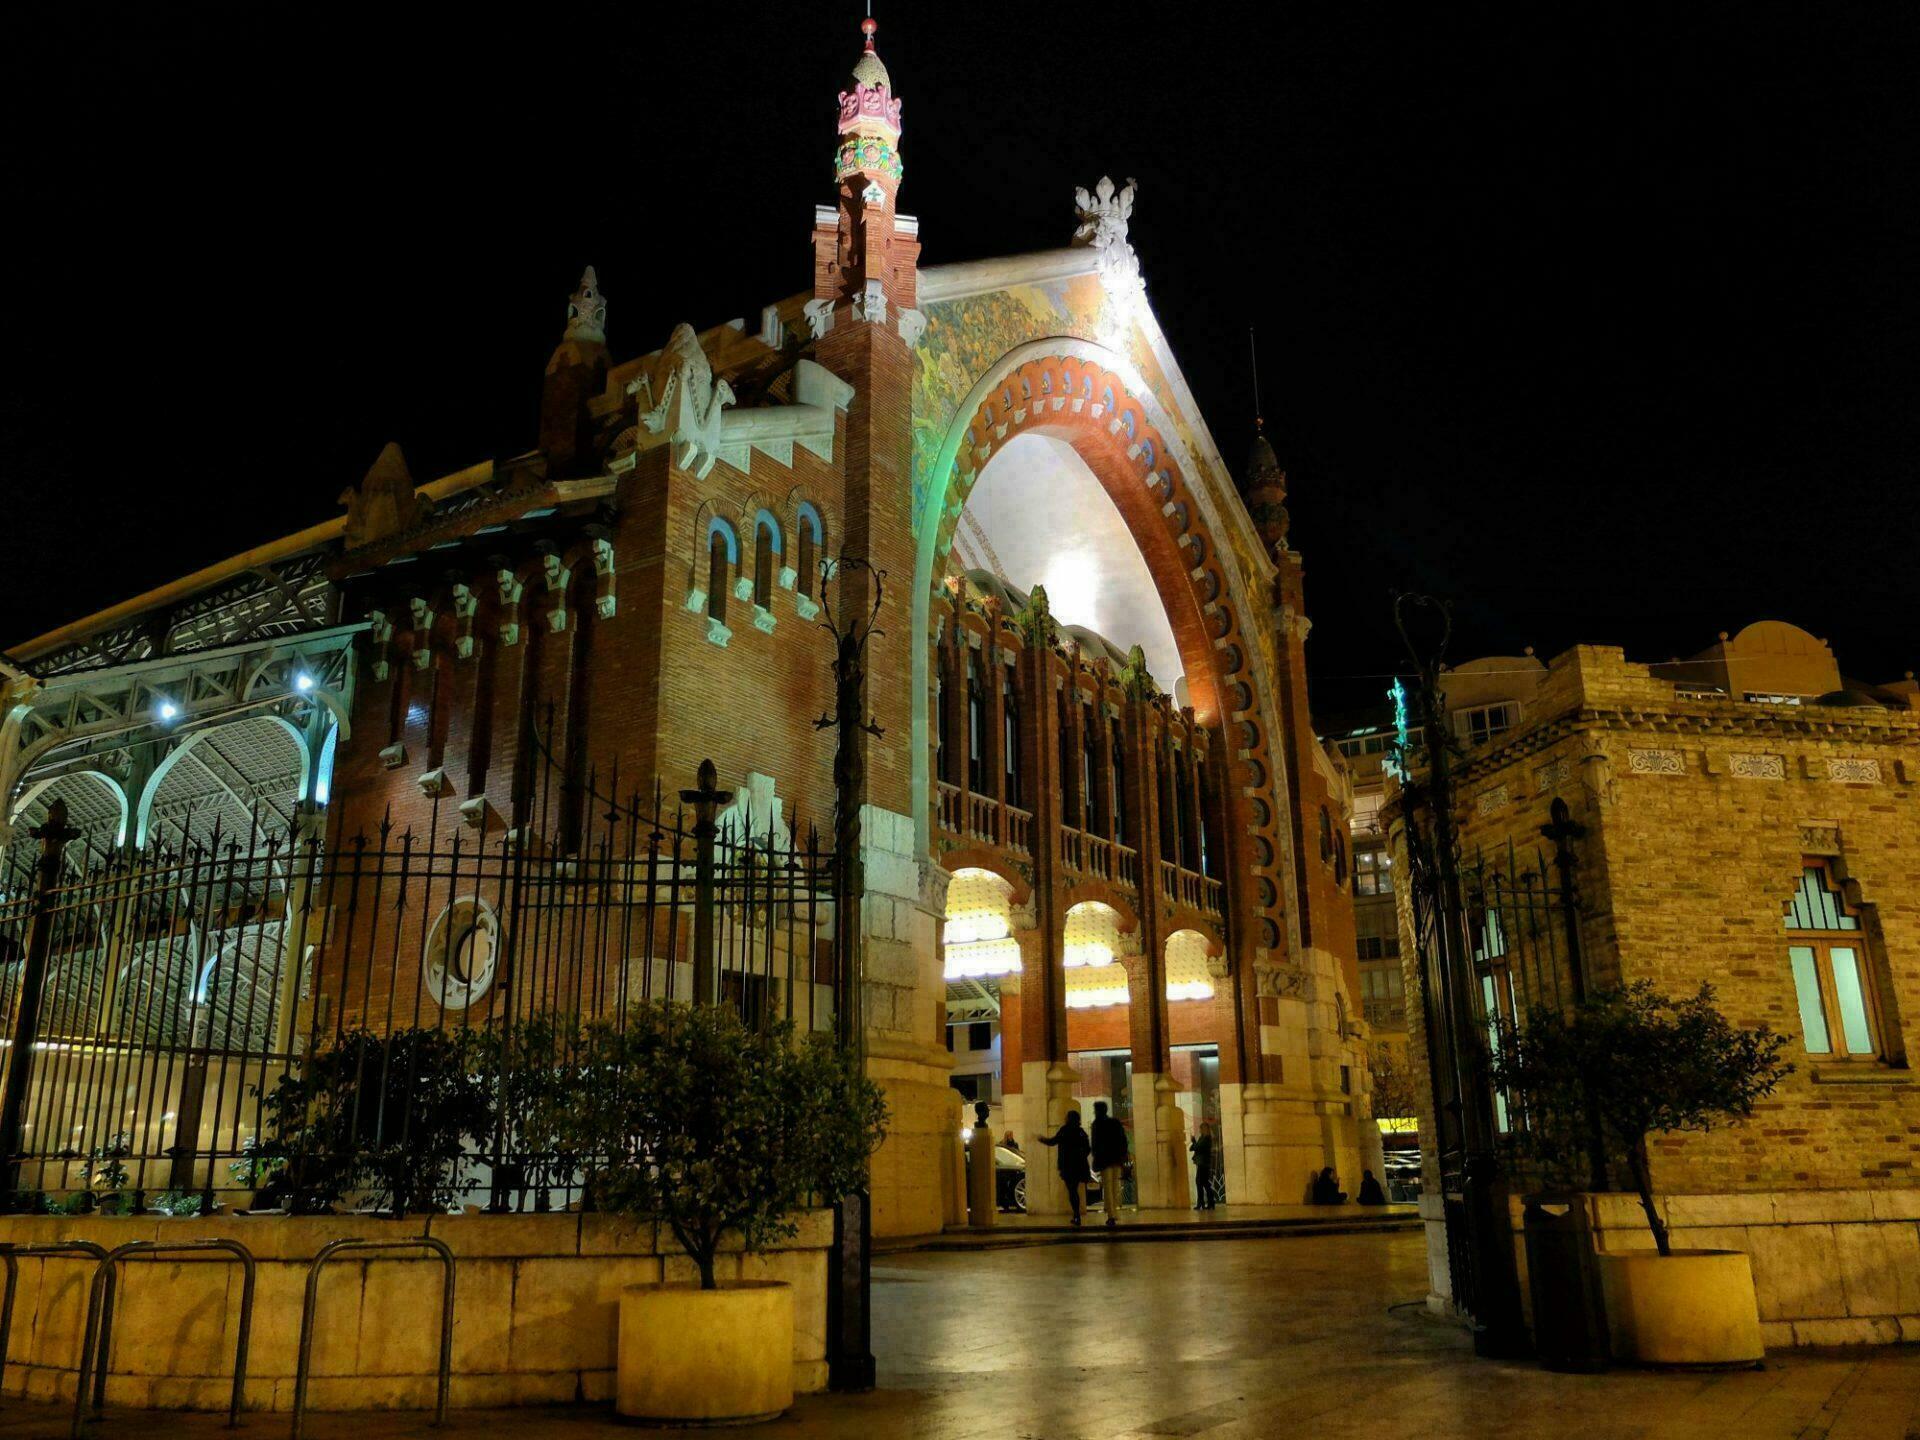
1639 1064
712 1128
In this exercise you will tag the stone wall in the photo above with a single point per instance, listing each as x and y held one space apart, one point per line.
536 1309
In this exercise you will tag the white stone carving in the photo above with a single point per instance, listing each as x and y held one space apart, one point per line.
757 811
557 578
510 592
819 315
1553 774
1491 800
394 756
806 607
871 303
691 403
473 813
717 633
763 619
1656 762
773 330
743 587
1757 767
1104 215
1854 771
913 324
697 599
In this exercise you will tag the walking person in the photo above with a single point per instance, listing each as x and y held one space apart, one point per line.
1071 1141
1201 1148
1109 1158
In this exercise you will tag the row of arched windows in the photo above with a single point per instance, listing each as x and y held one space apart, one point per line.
769 545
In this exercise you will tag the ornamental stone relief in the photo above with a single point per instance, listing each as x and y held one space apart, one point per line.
1655 762
1758 767
1820 839
1854 771
1553 774
1491 800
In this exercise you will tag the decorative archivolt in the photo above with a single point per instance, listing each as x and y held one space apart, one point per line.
1073 394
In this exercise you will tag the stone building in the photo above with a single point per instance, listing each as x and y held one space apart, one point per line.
1120 788
1749 819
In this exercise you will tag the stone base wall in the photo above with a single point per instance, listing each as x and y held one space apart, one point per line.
1830 1267
536 1309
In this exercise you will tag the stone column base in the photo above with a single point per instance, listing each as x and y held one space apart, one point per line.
1160 1171
1046 1095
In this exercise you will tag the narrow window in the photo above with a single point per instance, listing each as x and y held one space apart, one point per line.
766 550
1117 783
976 725
807 549
1010 713
1834 992
1067 767
719 577
1089 810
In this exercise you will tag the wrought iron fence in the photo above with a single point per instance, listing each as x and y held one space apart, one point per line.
151 1000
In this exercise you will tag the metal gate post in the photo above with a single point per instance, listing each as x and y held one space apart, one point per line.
706 801
336 1247
53 837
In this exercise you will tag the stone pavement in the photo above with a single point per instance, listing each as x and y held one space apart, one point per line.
1222 1223
1237 1340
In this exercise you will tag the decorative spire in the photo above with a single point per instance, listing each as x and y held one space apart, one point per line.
587 311
869 118
1265 483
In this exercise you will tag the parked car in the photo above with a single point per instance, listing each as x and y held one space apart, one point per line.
1009 1179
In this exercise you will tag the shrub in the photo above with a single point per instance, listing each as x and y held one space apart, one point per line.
534 1066
386 1113
707 1126
1638 1064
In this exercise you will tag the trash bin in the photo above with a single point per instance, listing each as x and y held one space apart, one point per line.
1563 1282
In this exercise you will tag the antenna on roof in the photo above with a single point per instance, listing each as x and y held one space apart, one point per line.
1253 355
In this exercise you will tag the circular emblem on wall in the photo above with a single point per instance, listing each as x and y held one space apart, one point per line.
462 949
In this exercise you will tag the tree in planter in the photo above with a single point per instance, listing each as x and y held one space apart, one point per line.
1641 1065
388 1113
707 1126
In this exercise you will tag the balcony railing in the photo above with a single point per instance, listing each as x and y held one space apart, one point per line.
1019 829
1189 887
982 818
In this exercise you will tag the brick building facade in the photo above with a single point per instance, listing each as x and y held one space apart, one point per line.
641 592
1751 821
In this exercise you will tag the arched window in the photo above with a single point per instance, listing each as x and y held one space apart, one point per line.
722 553
1010 719
1117 782
1326 836
807 548
766 556
1839 1013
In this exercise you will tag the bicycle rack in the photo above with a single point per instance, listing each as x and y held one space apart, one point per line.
97 1338
336 1247
11 1255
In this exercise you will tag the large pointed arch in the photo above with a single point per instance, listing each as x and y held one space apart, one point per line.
1091 397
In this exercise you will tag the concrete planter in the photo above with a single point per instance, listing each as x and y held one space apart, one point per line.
1693 1307
711 1357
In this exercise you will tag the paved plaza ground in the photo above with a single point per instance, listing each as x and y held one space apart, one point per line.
1257 1339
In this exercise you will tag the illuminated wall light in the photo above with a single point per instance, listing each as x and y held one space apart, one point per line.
167 710
1189 990
303 683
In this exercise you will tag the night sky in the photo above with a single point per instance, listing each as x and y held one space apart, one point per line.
1597 320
